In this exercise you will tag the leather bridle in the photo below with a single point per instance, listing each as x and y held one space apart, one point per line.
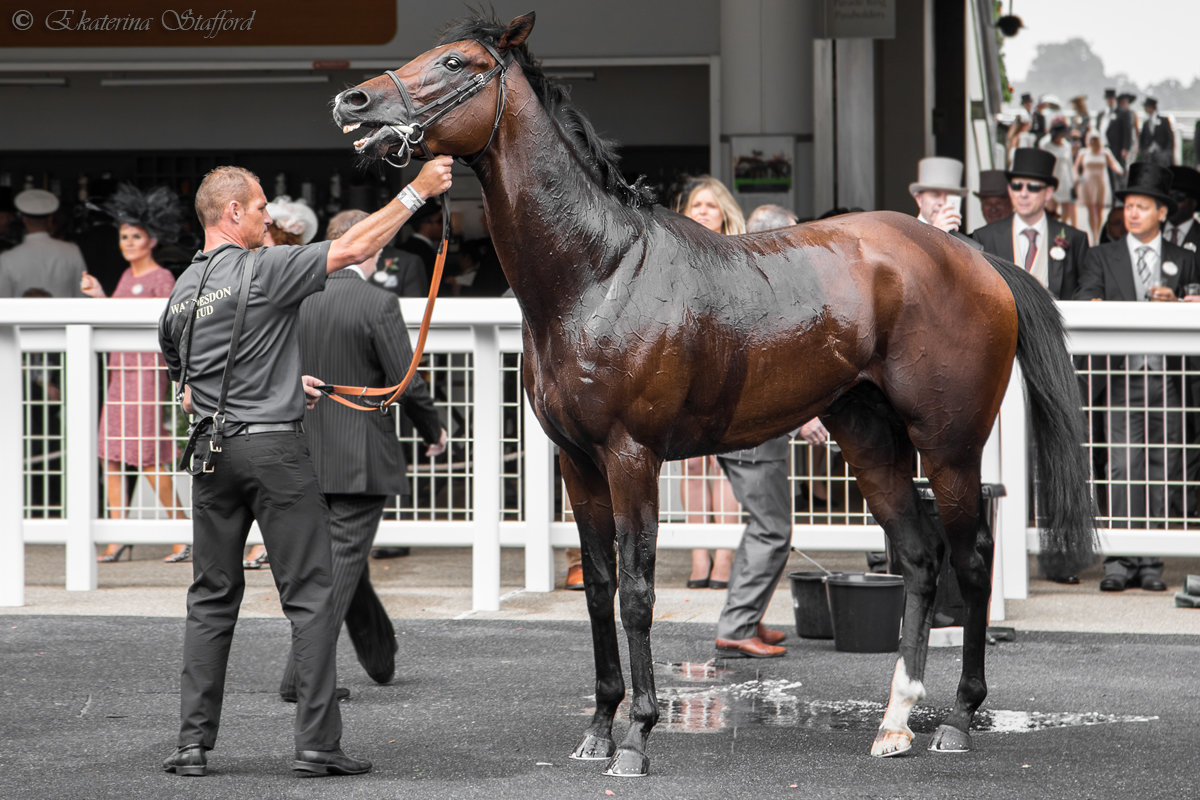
413 138
412 134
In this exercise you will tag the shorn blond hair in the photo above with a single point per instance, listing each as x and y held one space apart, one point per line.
221 185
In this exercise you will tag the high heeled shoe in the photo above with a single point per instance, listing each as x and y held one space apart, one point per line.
115 555
183 555
257 562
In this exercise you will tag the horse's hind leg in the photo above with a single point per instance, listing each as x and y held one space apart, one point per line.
970 537
875 444
592 507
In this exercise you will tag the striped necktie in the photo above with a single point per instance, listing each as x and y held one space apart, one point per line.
1143 267
1031 251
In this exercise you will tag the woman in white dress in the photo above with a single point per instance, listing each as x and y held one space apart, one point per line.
1059 143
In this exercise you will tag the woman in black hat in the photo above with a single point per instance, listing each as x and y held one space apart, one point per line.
132 439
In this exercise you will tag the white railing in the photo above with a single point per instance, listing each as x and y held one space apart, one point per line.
513 502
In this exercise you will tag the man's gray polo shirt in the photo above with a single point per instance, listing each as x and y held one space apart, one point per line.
265 382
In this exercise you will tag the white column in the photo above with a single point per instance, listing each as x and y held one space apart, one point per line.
485 553
1012 554
539 504
79 457
12 482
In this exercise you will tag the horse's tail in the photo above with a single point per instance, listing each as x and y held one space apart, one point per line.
1066 512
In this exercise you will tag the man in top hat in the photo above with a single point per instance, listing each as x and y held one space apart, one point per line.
938 191
40 261
1052 251
1115 126
1141 267
1181 226
1156 143
993 195
1037 122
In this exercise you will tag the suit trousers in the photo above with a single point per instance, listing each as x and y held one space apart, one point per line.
762 489
353 522
1144 453
267 477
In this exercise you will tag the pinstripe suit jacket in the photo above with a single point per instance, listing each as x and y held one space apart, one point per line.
353 333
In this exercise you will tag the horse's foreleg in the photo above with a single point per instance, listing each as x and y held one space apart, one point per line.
971 555
634 485
592 507
875 444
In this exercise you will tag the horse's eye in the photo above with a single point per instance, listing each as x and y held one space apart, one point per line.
454 63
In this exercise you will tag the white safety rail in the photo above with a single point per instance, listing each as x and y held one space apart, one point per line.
497 486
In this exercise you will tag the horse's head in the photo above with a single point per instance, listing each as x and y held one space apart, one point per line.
449 99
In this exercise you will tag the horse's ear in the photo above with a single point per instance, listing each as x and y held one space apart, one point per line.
518 32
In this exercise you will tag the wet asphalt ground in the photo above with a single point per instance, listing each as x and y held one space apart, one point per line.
491 708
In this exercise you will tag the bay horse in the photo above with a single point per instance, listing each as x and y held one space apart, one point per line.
648 338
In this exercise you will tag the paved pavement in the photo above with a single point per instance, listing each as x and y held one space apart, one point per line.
489 705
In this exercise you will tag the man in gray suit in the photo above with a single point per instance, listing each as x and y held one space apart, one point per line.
760 482
354 334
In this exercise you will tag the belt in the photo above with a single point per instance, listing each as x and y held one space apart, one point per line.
248 428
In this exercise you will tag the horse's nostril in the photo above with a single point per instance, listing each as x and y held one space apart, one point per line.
356 97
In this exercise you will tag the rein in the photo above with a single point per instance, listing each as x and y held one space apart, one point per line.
413 138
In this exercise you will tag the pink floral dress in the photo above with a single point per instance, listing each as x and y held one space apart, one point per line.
131 424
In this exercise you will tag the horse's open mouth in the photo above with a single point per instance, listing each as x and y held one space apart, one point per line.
378 143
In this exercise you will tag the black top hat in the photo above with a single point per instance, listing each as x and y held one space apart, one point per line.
1110 92
1127 96
1185 180
1151 101
994 183
1027 98
1030 162
1150 180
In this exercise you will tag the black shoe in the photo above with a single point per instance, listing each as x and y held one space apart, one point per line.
1113 583
328 762
390 552
1069 580
342 693
1153 583
190 759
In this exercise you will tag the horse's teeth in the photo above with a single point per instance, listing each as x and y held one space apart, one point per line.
348 128
358 144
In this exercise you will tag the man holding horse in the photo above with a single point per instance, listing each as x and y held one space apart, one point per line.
256 466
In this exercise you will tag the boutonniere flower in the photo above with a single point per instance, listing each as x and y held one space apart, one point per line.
1169 268
1059 251
1189 246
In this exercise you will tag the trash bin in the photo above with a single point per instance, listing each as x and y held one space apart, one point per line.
810 604
866 609
948 607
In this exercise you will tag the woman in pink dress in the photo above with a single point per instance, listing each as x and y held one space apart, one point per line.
132 436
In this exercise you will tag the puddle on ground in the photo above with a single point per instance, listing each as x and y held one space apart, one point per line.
718 706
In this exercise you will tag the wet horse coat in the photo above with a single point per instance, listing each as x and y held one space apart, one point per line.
648 338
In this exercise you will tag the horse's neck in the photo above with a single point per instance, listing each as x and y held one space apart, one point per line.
556 232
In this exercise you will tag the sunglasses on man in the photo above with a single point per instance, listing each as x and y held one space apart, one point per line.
1032 186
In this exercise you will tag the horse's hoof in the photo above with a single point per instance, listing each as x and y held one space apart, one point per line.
593 748
628 764
892 743
948 739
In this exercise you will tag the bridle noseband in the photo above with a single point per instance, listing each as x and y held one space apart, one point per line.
412 135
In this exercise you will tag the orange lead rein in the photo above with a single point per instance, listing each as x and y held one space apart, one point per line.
395 391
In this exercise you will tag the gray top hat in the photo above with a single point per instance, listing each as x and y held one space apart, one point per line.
36 203
939 174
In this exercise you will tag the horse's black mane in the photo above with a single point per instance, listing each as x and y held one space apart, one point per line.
597 154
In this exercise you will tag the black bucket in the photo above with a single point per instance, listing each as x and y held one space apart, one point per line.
866 610
810 604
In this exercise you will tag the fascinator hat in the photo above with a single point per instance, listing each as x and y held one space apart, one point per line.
157 211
